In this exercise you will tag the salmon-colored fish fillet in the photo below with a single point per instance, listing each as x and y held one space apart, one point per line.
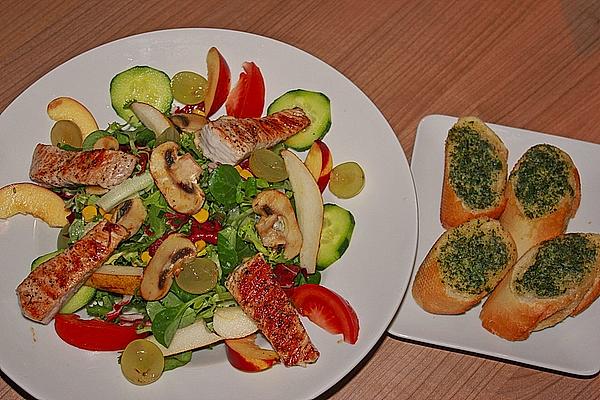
253 286
50 285
229 140
54 167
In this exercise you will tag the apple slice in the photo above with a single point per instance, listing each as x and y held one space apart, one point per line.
319 162
219 81
151 117
31 199
189 338
246 356
66 108
309 207
232 323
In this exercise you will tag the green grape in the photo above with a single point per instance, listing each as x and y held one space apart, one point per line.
198 276
268 165
65 132
347 180
188 87
142 362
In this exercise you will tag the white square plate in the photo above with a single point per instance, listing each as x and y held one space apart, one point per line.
573 346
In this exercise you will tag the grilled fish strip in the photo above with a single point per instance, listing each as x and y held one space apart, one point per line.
253 286
229 140
43 292
54 167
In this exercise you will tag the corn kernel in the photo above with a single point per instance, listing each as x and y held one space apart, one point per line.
89 213
200 245
244 173
201 216
107 216
145 256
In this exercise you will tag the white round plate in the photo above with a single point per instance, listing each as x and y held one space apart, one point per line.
373 274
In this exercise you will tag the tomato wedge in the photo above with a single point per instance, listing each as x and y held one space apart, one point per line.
94 334
247 99
327 309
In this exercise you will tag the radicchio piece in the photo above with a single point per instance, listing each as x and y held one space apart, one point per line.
207 231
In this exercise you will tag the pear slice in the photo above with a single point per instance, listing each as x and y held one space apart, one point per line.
151 117
309 208
191 337
121 279
232 323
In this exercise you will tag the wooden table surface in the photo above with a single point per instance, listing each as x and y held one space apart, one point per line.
529 64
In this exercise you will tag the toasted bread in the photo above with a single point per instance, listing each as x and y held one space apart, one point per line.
475 171
543 193
463 266
554 279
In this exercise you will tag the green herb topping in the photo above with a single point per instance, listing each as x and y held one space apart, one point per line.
474 167
469 261
560 264
541 180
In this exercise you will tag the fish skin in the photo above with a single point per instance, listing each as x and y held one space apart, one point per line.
43 292
54 167
229 140
254 287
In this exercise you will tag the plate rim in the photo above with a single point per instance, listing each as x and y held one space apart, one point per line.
386 319
395 327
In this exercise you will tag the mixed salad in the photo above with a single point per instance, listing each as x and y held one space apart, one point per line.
161 294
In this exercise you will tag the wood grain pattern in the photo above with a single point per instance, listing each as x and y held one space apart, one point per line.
533 64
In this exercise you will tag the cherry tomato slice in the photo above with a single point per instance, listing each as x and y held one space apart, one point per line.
247 99
327 309
94 334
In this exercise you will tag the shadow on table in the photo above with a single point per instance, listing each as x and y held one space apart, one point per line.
583 19
497 359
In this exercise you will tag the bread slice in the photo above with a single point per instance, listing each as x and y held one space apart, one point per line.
554 279
463 266
543 193
475 171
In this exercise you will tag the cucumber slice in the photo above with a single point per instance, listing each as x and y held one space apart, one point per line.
79 299
43 258
318 109
338 225
143 84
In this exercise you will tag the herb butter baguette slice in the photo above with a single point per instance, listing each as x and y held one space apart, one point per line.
463 266
555 279
475 171
543 193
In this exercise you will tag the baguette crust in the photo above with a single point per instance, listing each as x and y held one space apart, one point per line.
514 316
528 232
435 294
453 210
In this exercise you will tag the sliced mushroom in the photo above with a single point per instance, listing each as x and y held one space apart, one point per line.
106 142
130 215
176 177
158 275
277 225
189 122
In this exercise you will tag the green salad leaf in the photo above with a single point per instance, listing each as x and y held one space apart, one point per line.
177 360
223 185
